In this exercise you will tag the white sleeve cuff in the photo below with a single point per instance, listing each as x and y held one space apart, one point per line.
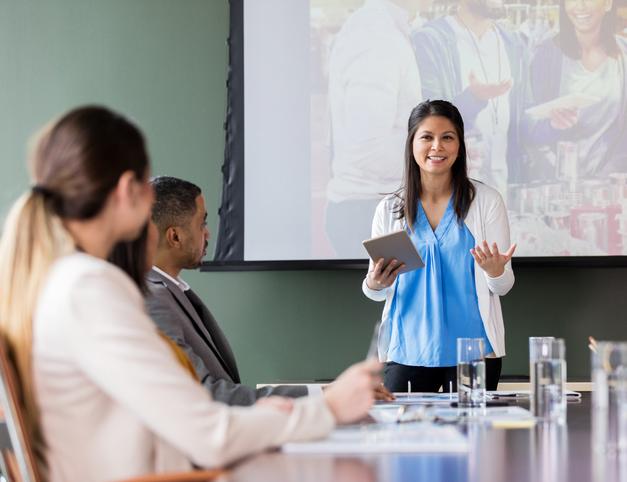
500 285
376 295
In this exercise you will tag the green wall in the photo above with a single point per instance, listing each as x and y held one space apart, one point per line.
163 62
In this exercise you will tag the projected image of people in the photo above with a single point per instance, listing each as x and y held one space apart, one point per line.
541 86
470 59
576 130
373 85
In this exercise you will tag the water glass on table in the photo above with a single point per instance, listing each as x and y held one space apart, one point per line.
471 372
609 396
535 345
548 378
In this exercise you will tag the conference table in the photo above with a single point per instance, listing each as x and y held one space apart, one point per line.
546 452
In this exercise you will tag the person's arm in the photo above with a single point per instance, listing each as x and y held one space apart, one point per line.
232 393
497 231
117 346
159 303
378 229
544 81
432 57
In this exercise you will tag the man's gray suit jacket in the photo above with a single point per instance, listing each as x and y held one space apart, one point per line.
189 323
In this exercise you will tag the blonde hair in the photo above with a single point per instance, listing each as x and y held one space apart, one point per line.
76 162
32 239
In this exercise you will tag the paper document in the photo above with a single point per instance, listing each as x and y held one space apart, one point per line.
502 417
386 438
424 398
570 394
569 101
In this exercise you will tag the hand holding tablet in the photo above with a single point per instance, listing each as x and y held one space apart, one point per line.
392 254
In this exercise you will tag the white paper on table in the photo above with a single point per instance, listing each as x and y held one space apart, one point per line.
525 394
568 101
424 397
386 438
490 415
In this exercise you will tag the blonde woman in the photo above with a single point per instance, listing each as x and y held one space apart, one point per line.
104 397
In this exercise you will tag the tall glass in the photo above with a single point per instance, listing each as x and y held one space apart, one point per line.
609 396
548 372
471 372
535 347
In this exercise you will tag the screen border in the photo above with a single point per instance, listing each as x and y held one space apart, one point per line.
229 252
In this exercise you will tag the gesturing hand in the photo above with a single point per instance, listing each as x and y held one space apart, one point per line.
491 260
488 91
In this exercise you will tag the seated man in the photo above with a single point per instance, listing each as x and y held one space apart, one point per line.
180 215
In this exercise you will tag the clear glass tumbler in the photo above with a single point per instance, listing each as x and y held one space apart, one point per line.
471 372
548 378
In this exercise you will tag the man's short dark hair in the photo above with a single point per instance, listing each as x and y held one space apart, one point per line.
175 201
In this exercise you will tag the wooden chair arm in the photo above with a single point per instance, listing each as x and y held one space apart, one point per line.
192 476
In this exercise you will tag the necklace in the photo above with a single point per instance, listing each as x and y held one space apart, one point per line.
493 103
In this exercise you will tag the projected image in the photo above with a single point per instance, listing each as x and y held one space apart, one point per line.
542 89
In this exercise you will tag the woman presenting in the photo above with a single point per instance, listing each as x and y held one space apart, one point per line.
458 227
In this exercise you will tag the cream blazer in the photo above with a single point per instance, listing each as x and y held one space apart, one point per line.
116 404
486 220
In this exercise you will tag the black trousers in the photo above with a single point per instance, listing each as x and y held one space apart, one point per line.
431 379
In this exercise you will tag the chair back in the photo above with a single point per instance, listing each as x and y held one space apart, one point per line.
19 459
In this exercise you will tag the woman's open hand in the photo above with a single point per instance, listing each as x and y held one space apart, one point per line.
491 260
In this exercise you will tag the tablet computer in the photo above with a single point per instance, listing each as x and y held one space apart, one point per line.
396 245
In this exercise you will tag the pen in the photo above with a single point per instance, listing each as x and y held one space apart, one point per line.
593 344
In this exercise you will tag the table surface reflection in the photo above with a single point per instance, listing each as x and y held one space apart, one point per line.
546 452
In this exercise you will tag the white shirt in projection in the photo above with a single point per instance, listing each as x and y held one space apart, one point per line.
487 59
373 86
603 83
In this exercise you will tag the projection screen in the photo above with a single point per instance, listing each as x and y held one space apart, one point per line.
320 92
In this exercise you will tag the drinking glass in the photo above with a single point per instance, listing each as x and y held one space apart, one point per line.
548 378
609 396
471 372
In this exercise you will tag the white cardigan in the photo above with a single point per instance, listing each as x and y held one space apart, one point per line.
115 403
486 220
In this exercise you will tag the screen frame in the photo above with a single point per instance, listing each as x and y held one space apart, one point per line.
229 251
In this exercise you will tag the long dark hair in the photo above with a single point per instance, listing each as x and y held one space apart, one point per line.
130 257
567 37
411 190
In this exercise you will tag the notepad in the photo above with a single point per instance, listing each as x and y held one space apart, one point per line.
388 438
